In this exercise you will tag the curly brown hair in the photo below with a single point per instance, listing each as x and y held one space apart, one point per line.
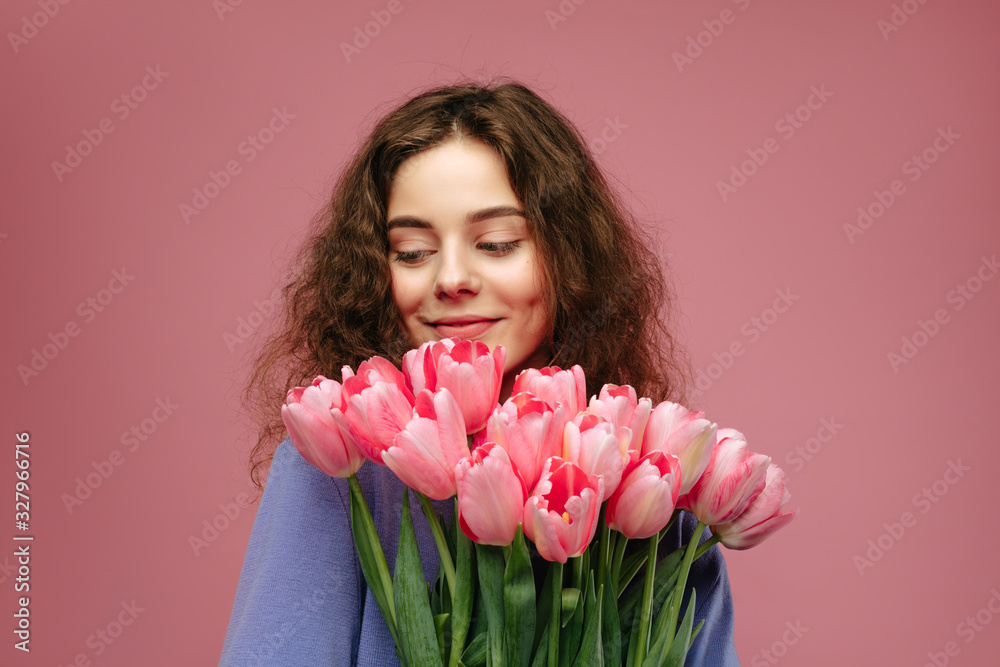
610 301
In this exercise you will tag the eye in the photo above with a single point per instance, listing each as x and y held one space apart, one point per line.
500 249
408 257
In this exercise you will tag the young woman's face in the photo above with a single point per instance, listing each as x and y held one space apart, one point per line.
463 262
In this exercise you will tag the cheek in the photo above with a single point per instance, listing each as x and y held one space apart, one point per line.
405 295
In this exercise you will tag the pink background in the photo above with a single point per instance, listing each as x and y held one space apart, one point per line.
667 134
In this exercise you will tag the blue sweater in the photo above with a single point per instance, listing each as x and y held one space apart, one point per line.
302 599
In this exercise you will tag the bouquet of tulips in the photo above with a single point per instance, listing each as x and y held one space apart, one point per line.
547 466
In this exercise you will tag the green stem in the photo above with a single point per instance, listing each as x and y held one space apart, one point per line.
442 544
616 560
709 543
682 576
556 613
604 546
647 601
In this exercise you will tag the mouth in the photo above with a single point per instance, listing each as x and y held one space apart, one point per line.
465 328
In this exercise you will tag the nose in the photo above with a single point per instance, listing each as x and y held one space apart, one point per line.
457 274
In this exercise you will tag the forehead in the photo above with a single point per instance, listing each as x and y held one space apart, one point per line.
458 172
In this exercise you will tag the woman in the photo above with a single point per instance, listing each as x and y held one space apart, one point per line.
470 211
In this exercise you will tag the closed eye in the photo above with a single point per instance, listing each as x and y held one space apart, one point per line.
493 248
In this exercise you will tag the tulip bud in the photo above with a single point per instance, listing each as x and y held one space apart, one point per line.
318 429
561 515
672 429
466 368
646 497
555 386
733 479
377 404
529 431
424 454
762 518
491 496
592 443
619 405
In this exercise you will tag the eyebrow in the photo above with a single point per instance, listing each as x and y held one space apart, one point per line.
473 216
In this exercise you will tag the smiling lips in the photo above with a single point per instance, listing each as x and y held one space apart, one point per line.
465 328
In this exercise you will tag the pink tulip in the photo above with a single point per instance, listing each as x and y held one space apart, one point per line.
619 405
762 518
554 386
733 479
561 515
377 404
466 368
529 431
592 443
690 437
645 499
491 496
424 454
318 429
413 364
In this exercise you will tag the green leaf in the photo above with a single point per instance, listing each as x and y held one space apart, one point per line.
542 654
659 633
570 600
611 638
630 568
417 635
633 637
682 641
440 623
544 611
664 581
569 638
372 557
475 653
591 654
519 603
464 592
489 562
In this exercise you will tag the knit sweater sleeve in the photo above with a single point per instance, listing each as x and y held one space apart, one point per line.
301 592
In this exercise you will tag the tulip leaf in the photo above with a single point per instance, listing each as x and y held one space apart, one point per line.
489 562
417 634
611 638
464 590
663 582
372 557
475 654
569 638
543 612
682 641
658 634
633 637
630 568
591 654
518 603
542 654
440 624
570 600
